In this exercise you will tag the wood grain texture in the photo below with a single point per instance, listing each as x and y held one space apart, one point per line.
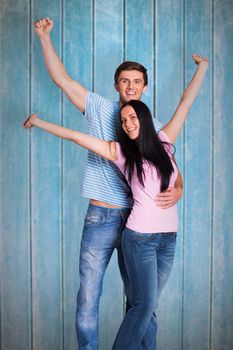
222 282
15 262
169 75
46 197
42 211
198 189
77 26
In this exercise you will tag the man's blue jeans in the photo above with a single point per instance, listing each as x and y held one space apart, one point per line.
102 233
149 259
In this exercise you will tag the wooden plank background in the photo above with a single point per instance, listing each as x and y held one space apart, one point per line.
41 208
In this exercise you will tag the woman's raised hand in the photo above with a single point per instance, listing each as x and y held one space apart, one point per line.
29 121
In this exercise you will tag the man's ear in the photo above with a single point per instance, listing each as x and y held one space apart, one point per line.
116 87
145 89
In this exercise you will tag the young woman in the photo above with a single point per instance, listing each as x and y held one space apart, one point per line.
149 238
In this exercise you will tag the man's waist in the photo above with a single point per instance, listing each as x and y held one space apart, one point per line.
103 204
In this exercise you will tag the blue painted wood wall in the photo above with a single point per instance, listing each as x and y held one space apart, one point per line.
41 209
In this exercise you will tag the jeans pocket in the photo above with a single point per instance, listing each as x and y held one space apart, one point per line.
93 218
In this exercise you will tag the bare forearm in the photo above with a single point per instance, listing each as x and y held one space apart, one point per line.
73 89
179 181
55 129
53 63
103 148
174 126
194 86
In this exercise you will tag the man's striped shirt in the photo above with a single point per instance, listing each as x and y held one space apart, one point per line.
103 180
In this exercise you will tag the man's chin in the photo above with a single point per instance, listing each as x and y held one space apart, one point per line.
128 98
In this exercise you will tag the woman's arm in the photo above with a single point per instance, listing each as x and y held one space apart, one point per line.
173 127
103 148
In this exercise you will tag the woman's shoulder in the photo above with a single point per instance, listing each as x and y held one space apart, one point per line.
120 156
163 136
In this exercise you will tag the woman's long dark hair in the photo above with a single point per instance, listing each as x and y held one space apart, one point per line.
146 147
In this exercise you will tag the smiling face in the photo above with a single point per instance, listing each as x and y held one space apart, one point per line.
130 122
130 85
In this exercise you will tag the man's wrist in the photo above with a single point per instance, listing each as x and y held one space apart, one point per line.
45 39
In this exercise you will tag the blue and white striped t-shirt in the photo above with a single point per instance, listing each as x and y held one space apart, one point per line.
103 180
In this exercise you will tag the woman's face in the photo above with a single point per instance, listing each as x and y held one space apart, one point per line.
130 122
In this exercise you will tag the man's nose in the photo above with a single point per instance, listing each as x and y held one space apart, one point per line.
130 84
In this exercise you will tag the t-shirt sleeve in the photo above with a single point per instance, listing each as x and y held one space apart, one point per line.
120 162
158 126
164 138
94 103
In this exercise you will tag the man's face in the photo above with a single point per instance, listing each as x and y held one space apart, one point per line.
130 85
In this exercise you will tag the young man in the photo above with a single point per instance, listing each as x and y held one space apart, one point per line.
110 199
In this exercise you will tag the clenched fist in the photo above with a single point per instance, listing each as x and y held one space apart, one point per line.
43 26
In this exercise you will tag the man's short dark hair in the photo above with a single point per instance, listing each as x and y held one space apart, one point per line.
129 65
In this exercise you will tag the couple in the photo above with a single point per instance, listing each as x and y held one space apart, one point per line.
123 144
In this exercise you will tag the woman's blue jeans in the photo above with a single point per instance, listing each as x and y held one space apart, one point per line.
149 259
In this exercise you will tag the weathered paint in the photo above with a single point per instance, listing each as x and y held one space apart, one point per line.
41 209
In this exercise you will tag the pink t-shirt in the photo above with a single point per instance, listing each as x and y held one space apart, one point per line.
146 216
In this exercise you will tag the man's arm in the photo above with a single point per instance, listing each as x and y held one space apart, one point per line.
172 195
175 124
73 90
173 127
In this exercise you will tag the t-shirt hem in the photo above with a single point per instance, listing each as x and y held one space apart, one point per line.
102 199
156 230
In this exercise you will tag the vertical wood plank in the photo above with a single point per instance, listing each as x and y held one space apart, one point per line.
222 299
46 197
168 90
139 40
198 173
77 53
160 35
14 178
108 54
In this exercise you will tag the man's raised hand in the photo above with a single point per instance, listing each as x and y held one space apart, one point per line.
43 26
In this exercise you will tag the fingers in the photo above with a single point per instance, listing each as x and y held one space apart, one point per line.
166 205
25 122
169 198
43 22
165 195
197 58
28 122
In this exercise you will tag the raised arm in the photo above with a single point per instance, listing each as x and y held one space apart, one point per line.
174 126
74 91
103 148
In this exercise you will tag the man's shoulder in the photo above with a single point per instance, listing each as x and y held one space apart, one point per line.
99 107
94 97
